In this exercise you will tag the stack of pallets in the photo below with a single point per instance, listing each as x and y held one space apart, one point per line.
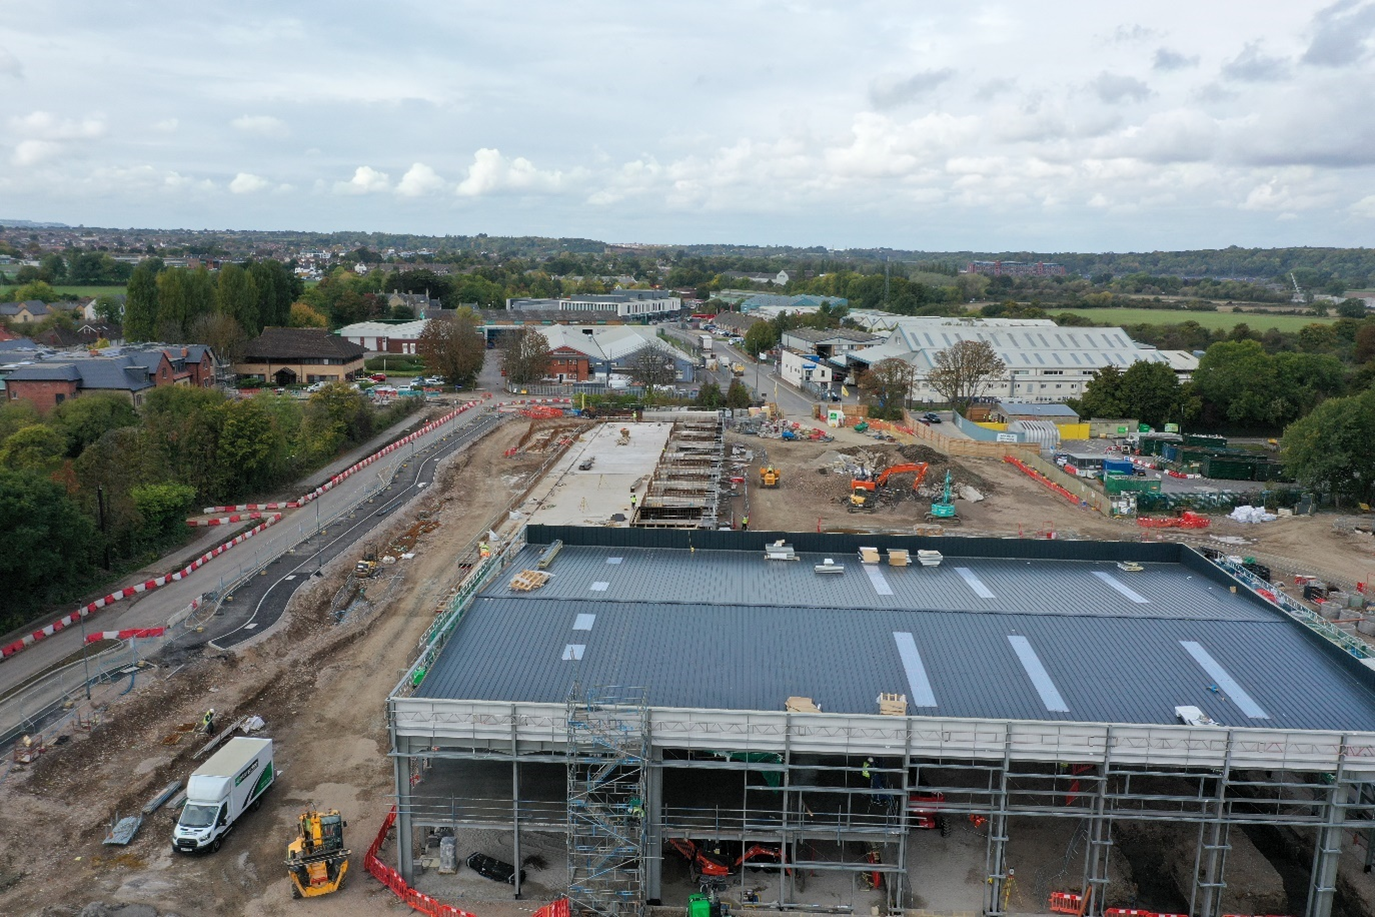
529 580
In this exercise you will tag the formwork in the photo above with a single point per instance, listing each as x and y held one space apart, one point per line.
684 490
853 782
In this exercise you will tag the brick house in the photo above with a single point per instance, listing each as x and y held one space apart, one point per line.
293 356
130 374
569 365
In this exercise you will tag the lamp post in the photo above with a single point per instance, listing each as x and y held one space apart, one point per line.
85 662
317 535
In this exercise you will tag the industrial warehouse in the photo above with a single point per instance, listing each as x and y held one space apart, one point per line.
756 715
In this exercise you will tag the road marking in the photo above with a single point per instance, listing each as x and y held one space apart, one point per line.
1040 678
1121 587
917 682
1224 681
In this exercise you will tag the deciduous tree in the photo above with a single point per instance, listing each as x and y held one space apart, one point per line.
652 368
57 538
1330 449
888 382
737 395
525 356
964 371
454 349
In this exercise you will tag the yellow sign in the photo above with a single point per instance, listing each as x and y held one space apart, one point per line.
845 392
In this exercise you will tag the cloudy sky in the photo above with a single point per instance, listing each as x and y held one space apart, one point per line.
1044 125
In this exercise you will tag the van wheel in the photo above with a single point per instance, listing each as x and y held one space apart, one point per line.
216 844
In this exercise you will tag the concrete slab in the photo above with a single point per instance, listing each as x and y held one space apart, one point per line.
572 495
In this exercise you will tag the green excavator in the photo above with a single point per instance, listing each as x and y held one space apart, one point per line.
943 507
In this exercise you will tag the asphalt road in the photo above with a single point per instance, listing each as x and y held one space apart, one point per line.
152 609
257 604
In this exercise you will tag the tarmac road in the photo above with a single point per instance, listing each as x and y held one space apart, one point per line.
152 609
257 604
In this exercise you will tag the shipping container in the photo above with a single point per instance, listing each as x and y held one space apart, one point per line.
1228 468
1115 484
1118 466
1210 440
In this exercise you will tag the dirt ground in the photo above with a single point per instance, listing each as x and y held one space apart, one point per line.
813 497
321 688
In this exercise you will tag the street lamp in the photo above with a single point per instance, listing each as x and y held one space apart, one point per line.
85 662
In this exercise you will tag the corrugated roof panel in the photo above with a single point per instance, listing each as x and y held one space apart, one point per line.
1106 669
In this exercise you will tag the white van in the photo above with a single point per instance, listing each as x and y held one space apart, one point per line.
220 791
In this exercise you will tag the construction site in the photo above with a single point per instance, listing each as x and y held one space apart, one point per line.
575 674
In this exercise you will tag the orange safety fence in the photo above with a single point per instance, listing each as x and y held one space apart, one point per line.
1185 520
1037 476
419 901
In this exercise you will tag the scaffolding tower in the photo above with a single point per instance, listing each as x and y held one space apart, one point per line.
608 749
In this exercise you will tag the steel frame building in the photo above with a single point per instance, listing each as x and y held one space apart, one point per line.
794 771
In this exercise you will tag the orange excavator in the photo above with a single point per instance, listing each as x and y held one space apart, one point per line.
864 490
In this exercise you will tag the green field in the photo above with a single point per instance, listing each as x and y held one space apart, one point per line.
1210 320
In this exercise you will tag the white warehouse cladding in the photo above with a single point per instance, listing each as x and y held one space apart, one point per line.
1045 362
622 303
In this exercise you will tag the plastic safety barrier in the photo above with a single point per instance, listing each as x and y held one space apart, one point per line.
125 634
1037 476
1065 902
128 591
419 901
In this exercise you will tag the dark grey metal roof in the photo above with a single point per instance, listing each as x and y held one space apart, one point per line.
745 578
999 638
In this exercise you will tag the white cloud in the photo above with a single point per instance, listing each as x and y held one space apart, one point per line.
166 126
44 136
247 183
1364 208
261 125
366 180
9 65
420 180
493 173
42 125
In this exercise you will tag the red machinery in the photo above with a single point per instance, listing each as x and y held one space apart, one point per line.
923 810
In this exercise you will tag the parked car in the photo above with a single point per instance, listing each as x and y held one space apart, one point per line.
378 377
931 417
435 380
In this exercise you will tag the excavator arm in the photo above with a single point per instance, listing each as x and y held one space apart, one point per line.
920 468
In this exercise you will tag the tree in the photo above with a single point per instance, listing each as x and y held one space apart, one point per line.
964 371
652 368
57 537
141 302
86 419
759 338
236 295
162 507
220 332
709 396
1150 393
52 268
888 382
737 395
334 416
525 356
108 309
454 349
303 316
38 289
1103 396
1329 450
1352 308
1365 344
37 448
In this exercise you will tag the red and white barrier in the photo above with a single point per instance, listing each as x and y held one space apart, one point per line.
128 591
225 520
245 507
125 634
